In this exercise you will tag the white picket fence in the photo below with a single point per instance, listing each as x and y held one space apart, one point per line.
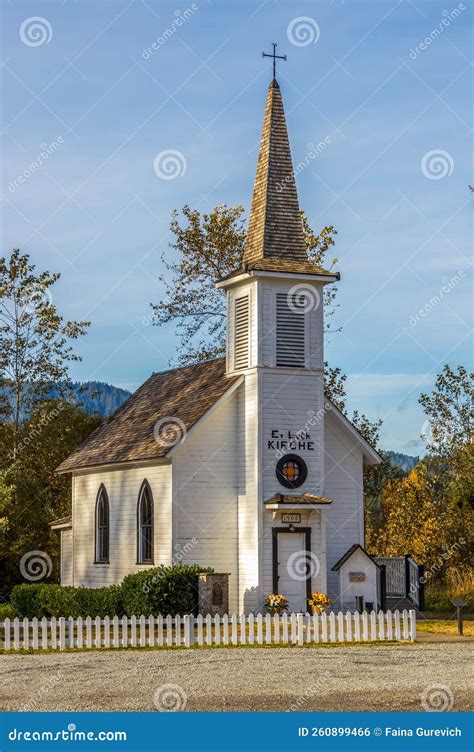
185 631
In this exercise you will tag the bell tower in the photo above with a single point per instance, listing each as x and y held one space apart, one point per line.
275 340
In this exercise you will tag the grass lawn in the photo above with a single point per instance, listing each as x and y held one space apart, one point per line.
444 626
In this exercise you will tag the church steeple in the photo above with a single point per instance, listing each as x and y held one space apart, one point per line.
275 229
275 241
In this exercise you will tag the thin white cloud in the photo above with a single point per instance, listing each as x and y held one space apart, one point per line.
382 384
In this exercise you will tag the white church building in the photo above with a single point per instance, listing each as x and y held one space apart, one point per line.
241 463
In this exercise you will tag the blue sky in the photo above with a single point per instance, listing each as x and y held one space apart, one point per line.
392 177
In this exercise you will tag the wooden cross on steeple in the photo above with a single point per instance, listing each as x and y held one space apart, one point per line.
274 56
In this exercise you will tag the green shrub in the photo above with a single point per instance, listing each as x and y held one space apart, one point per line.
56 600
25 600
162 590
6 611
104 601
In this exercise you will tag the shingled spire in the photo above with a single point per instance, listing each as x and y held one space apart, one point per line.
275 230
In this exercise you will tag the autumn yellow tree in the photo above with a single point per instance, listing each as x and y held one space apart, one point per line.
422 520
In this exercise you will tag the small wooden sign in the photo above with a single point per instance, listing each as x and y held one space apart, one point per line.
459 603
356 577
291 518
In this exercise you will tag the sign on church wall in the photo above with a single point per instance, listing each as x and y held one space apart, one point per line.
286 441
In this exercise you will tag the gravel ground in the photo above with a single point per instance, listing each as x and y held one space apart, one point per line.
390 677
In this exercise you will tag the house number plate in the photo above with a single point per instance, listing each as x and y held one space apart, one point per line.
291 518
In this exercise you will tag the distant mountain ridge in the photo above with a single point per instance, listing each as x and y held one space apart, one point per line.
97 397
405 461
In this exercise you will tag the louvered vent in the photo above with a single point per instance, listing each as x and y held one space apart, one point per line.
290 344
241 334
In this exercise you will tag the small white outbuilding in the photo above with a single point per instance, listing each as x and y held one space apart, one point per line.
361 580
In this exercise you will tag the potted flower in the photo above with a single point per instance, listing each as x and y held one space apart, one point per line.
276 604
318 603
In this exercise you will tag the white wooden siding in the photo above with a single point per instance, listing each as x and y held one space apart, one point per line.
291 402
250 508
205 508
343 482
66 557
123 486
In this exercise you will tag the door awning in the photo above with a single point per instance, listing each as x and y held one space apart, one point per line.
298 501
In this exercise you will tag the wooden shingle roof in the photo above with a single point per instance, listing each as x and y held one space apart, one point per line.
304 498
275 239
275 227
155 418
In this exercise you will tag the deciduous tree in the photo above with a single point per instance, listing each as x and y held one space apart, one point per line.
208 247
35 341
450 411
32 494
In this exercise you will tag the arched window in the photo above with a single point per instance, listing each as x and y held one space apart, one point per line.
145 525
102 525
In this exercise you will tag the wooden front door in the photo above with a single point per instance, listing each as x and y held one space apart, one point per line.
292 570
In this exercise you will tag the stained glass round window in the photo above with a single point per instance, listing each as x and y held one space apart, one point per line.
291 471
